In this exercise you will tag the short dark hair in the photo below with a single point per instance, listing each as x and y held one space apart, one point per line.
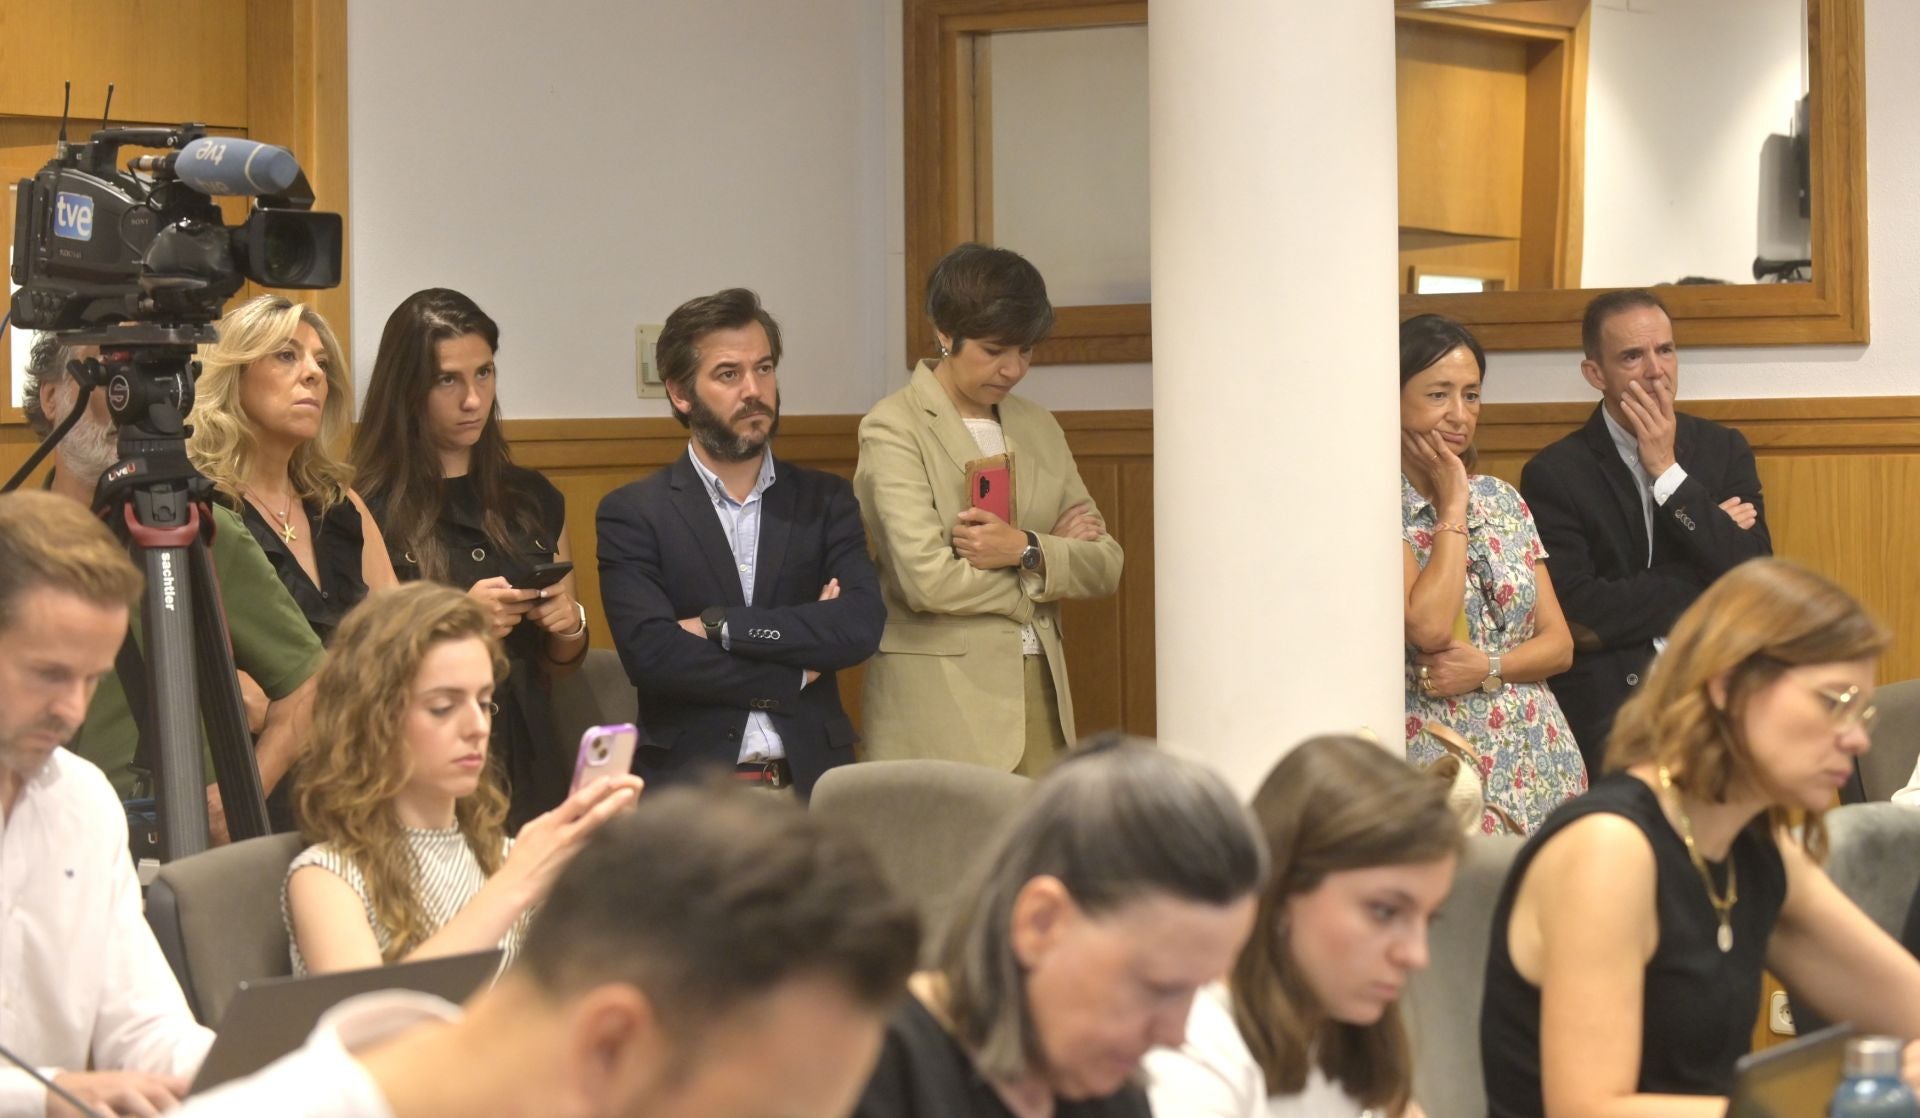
1426 338
1604 307
990 295
706 897
46 364
677 351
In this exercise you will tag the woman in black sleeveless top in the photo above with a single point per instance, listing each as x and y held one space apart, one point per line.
435 467
1624 973
271 407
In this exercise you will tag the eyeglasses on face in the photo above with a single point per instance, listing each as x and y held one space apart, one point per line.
1848 708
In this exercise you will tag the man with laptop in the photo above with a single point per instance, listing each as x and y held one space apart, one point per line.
712 955
85 995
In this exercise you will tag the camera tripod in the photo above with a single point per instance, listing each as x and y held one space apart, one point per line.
157 503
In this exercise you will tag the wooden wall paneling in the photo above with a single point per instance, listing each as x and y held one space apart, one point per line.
170 62
1461 96
296 85
1832 308
1135 515
1110 646
1837 475
949 162
1494 258
1554 162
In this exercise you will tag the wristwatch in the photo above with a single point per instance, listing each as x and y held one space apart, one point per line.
1030 558
713 617
1493 682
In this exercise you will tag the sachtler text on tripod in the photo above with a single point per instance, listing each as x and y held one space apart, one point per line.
135 266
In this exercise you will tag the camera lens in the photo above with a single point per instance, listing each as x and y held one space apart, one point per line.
289 254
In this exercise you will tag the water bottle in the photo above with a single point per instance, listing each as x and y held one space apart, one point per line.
1871 1086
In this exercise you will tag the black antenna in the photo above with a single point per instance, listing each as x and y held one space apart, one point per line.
66 103
106 112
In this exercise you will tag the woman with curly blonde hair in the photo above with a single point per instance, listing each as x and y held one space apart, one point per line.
271 408
410 859
1629 940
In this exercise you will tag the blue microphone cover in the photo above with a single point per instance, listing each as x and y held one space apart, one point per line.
229 165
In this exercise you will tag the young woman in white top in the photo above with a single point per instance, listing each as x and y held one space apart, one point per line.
410 856
1307 1026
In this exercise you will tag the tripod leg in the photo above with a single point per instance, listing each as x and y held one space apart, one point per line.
179 777
234 765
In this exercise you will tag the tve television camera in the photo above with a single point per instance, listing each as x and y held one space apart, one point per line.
95 245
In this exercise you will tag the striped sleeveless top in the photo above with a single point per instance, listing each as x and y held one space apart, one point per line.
446 877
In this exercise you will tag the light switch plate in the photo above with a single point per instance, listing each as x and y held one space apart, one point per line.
646 371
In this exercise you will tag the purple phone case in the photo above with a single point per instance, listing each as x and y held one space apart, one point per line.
618 760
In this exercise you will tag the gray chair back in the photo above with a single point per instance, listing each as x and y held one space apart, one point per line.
1873 855
217 917
1442 1003
926 822
1886 767
598 693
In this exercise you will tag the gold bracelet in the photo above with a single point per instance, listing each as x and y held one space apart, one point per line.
1443 526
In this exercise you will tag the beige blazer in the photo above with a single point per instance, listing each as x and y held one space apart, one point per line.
947 681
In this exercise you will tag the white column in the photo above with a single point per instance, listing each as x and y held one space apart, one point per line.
1275 386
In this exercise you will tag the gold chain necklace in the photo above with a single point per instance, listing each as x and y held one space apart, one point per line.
1722 906
286 525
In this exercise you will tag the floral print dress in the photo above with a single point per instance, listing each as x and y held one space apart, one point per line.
1529 763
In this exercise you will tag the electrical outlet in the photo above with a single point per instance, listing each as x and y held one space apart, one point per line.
1780 1015
646 371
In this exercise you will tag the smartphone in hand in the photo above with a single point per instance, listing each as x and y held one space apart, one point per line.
543 576
605 751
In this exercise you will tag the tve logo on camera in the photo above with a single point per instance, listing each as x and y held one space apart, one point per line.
73 217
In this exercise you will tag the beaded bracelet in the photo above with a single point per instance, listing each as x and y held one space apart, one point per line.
1443 526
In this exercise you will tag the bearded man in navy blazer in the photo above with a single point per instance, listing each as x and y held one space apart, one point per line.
736 584
1639 511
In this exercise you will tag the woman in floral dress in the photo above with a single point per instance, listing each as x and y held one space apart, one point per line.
1484 630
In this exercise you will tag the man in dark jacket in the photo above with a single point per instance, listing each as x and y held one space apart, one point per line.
1639 511
736 584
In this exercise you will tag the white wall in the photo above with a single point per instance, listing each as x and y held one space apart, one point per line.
640 201
582 168
1071 195
1680 98
1890 366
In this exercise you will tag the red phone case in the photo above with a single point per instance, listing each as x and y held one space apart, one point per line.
990 488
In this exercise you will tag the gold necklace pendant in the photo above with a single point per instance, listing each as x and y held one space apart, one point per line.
286 532
1722 906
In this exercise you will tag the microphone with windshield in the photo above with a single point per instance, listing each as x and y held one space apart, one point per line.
65 1095
226 165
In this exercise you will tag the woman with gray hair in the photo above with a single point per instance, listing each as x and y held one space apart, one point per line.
1124 885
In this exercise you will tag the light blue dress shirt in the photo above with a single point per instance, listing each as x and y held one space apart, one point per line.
740 520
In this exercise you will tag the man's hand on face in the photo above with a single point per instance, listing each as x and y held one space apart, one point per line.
1649 416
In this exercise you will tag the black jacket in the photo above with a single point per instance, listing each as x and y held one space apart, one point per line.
1585 503
664 557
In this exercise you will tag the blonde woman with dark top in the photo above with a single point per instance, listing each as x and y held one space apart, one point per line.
1629 940
271 411
410 857
1308 1024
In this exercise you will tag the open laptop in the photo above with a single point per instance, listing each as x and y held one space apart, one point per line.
1791 1080
272 1017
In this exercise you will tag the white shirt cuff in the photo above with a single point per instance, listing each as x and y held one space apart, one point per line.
1665 485
20 1096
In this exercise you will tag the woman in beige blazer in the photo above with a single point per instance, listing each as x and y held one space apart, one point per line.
971 666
